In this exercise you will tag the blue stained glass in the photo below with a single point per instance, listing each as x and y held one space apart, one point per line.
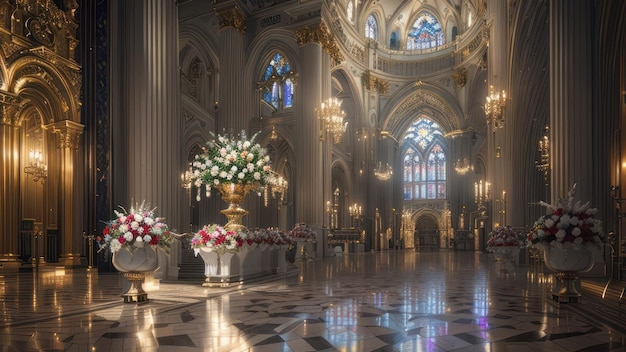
426 33
288 93
371 27
426 156
281 94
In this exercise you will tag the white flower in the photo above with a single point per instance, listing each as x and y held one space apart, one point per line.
257 175
124 228
140 230
148 221
548 223
564 220
115 245
246 144
138 217
134 225
576 231
560 235
128 236
241 175
147 238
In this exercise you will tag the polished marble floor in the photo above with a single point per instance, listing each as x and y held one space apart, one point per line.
384 301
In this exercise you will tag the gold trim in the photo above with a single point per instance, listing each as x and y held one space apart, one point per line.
319 33
232 17
67 132
374 83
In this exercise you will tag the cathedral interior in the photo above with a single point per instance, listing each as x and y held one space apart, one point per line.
402 132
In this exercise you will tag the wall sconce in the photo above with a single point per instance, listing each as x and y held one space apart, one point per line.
543 164
494 108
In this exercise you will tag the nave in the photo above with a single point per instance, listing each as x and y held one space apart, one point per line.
380 301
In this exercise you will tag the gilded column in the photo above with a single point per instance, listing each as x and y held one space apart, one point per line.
313 185
9 178
234 108
68 140
570 98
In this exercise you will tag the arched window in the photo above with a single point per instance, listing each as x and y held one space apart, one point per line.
424 161
371 27
426 33
278 83
350 11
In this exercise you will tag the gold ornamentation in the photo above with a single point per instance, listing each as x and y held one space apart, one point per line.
68 133
374 84
460 77
234 18
320 34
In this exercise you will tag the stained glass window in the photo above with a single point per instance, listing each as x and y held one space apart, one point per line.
426 33
277 85
371 27
424 161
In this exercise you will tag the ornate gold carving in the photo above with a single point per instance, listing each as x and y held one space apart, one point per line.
421 97
232 17
68 133
374 84
9 109
460 77
320 34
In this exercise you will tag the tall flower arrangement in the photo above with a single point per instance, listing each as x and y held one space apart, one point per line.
134 229
570 222
504 236
228 159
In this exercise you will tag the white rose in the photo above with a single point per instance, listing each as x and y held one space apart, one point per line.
257 175
548 223
147 238
576 231
565 220
246 144
560 235
140 230
241 175
138 217
128 236
234 169
148 221
134 225
216 182
124 228
223 174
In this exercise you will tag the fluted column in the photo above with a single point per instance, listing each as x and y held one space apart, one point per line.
570 98
147 154
313 181
236 99
499 154
67 141
9 177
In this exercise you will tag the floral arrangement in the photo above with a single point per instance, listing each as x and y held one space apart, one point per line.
134 229
302 231
570 222
231 159
504 236
269 237
217 238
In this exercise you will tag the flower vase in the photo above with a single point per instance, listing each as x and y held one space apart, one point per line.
135 264
233 194
567 261
217 267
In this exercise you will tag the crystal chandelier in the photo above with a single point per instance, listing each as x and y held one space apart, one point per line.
462 167
494 105
383 173
332 116
37 169
277 186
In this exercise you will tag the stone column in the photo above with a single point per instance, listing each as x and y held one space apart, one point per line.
68 140
9 178
236 100
147 157
570 98
313 183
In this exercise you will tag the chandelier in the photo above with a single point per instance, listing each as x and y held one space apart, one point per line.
277 186
481 191
543 164
383 173
37 169
494 105
355 210
332 116
463 167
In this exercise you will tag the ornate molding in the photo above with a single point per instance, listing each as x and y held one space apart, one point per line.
319 33
232 17
67 132
34 70
372 83
421 98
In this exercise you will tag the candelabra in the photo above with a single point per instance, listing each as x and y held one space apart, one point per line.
494 106
543 164
355 213
332 116
383 173
186 181
481 192
37 169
